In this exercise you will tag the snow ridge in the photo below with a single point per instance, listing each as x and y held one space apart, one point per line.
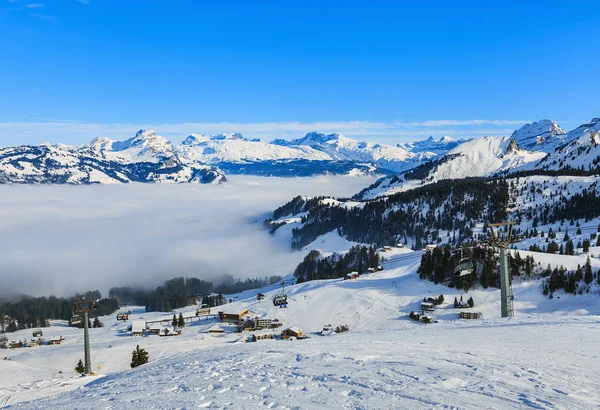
146 157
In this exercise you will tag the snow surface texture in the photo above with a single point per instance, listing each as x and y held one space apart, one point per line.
546 357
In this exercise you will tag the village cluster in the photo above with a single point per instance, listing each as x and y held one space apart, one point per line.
229 322
36 340
428 307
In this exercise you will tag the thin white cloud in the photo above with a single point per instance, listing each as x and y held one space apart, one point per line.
76 132
446 123
34 5
84 1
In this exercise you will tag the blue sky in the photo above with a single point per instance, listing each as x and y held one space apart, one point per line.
388 71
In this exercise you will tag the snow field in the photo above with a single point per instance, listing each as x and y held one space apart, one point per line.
545 357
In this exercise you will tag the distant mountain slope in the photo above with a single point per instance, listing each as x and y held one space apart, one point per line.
543 135
580 150
315 153
229 148
479 157
144 158
430 146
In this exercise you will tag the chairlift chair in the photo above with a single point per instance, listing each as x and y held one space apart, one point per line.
464 267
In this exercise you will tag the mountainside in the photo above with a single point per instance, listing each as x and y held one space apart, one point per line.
340 148
479 157
431 146
143 158
543 135
580 149
315 153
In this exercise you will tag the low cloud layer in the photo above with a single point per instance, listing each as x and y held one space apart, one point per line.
63 239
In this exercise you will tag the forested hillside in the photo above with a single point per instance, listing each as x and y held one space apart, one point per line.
438 266
180 292
316 266
29 312
452 206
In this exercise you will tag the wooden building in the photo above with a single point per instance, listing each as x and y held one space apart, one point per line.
351 275
293 331
232 317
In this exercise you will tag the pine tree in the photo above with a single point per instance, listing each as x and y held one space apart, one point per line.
587 268
455 303
471 302
97 322
174 321
180 321
138 357
80 368
586 246
570 249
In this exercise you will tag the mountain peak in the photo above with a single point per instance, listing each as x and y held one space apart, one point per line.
536 135
197 138
513 147
320 137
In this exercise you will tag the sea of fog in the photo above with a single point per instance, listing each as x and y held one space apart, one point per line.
58 239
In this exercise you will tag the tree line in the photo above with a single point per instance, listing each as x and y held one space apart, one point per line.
315 266
438 266
29 312
452 205
180 292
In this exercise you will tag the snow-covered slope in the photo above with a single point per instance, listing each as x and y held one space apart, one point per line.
479 157
430 147
146 157
384 361
339 148
543 135
216 149
483 157
580 150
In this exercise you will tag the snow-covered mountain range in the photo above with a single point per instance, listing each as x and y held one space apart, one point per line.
540 146
148 157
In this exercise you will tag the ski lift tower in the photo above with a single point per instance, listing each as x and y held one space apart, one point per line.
506 296
85 306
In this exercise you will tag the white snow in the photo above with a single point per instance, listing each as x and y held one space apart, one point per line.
543 135
545 357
